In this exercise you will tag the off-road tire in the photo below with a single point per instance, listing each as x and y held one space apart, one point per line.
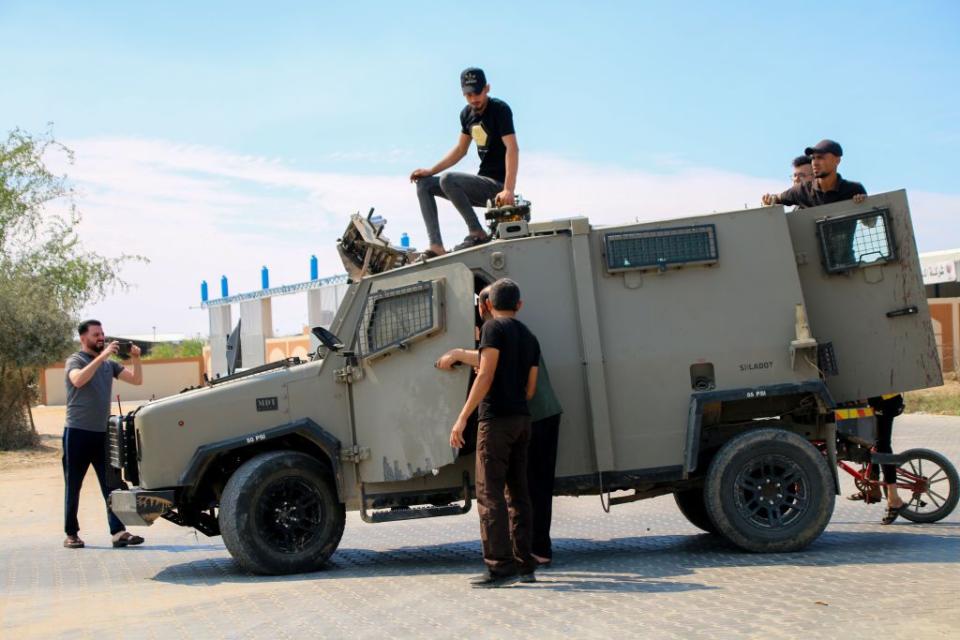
259 519
946 484
752 466
694 509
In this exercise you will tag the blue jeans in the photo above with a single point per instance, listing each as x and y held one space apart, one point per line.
464 190
81 449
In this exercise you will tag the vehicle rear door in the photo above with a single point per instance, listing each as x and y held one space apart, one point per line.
866 305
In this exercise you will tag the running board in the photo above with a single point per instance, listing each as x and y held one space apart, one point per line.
415 513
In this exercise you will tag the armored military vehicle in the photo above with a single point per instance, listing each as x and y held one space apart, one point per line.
709 357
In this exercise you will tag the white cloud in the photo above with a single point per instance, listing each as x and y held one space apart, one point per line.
198 212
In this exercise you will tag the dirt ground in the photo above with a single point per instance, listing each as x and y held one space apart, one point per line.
943 401
49 421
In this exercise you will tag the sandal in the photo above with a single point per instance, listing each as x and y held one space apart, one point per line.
73 542
868 499
472 241
892 513
126 539
426 255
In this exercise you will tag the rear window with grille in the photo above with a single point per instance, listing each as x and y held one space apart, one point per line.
393 317
863 239
661 248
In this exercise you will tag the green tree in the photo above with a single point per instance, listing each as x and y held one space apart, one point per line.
187 349
46 276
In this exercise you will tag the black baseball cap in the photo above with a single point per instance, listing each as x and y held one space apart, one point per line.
825 146
472 80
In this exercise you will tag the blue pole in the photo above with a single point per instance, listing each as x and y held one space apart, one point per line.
224 290
314 268
204 292
265 278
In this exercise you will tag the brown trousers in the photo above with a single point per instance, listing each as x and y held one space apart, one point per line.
503 500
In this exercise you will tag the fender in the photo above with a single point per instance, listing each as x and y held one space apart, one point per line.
304 427
698 400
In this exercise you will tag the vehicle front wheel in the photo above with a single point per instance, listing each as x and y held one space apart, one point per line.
279 514
769 491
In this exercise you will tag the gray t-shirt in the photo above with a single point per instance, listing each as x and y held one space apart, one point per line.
88 407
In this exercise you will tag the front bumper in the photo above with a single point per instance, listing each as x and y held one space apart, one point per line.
138 507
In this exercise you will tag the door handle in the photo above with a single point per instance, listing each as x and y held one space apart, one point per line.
906 311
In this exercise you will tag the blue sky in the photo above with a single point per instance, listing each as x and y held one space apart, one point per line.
328 94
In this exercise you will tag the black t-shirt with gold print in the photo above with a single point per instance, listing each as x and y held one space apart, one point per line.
487 130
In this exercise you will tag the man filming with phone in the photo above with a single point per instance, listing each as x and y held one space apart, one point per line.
89 380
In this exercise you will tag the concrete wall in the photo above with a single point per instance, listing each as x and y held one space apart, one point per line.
288 347
161 377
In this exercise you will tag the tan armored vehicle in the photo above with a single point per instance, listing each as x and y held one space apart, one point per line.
705 356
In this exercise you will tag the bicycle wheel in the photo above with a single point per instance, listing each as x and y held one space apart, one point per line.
934 484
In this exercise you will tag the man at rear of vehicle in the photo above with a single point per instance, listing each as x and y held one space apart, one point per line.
829 187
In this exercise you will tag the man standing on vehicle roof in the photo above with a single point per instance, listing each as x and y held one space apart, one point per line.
488 122
827 187
802 170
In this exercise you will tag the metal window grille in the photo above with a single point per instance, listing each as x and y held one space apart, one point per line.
660 248
858 240
393 316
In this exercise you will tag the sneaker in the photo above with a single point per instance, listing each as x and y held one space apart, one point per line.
491 581
472 241
527 577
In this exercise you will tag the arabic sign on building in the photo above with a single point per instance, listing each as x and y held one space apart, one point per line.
940 272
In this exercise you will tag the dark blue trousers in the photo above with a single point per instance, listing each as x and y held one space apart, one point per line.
80 450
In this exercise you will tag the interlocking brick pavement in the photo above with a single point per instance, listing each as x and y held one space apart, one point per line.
640 571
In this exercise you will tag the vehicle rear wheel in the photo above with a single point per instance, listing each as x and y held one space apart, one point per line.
279 514
936 486
769 491
694 509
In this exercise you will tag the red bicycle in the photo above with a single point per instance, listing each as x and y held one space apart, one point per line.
928 481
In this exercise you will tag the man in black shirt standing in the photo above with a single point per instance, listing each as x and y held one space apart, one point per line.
507 379
488 122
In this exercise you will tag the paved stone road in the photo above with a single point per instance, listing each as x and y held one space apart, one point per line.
640 571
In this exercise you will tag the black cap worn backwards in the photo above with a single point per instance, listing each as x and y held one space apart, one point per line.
825 146
472 80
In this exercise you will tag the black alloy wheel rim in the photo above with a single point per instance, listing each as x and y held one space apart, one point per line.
290 514
772 492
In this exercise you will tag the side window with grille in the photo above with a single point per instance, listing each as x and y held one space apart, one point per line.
394 318
658 249
848 242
